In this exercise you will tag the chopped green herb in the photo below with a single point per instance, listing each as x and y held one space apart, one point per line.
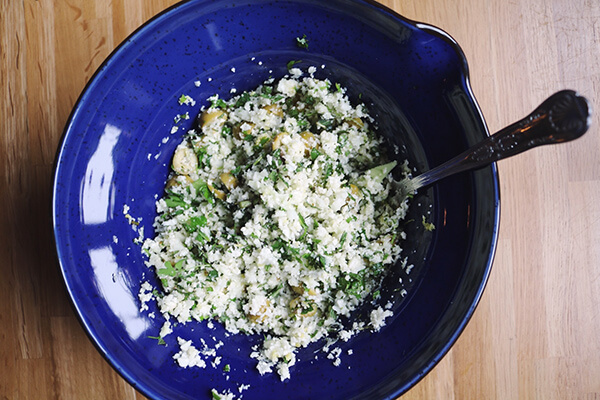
226 130
212 273
291 64
305 310
328 170
304 227
325 123
323 261
429 226
203 189
353 284
302 222
175 201
170 269
314 153
278 244
263 141
203 157
243 99
302 42
258 160
195 223
185 99
219 103
272 176
343 238
275 291
161 341
245 203
309 100
201 237
236 171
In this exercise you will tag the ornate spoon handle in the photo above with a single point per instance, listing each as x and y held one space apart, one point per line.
562 117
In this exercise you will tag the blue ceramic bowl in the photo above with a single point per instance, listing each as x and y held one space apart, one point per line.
113 153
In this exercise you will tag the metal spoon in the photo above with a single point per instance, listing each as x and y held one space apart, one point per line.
562 117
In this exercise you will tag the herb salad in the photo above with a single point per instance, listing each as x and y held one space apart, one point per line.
278 218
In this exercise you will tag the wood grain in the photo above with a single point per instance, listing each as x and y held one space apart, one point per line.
536 332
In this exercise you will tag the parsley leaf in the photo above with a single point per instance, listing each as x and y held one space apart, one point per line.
202 188
244 98
292 63
160 340
170 269
175 201
328 170
314 153
183 99
219 103
343 238
195 223
304 227
275 291
236 171
429 226
203 157
353 284
302 42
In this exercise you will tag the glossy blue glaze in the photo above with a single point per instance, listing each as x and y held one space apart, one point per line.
414 79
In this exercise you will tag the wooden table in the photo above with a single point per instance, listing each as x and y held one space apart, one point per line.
536 332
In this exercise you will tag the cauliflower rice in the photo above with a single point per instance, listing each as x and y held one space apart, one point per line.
278 218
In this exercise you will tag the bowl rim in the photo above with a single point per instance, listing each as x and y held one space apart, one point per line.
147 25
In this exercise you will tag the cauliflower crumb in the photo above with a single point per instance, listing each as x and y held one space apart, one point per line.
166 329
188 356
335 356
145 295
378 317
